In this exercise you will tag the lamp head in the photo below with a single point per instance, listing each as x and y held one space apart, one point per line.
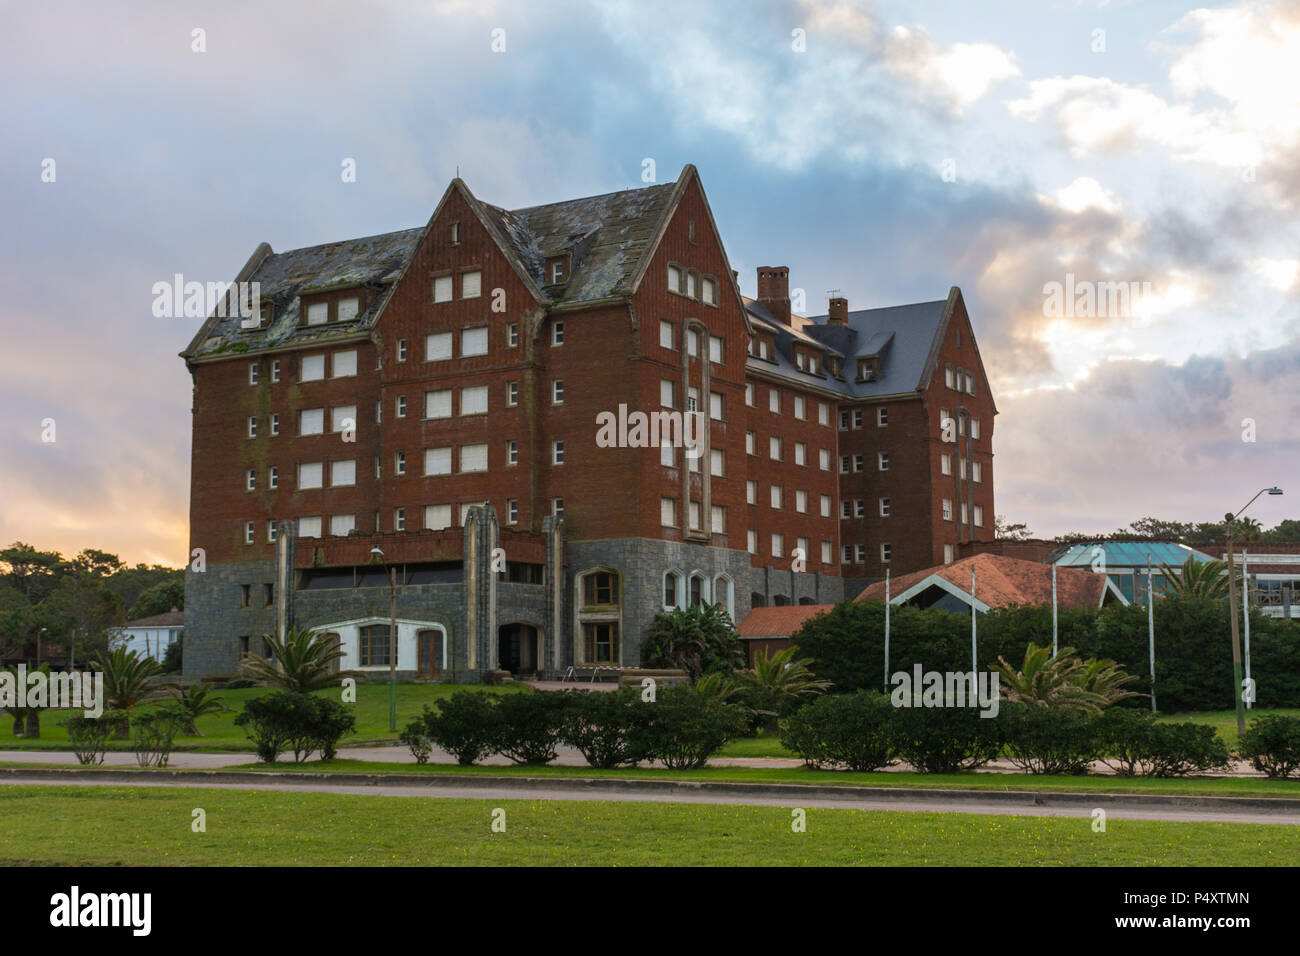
1275 490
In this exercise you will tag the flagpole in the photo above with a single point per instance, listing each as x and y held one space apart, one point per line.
1151 633
1053 610
974 659
886 629
1245 614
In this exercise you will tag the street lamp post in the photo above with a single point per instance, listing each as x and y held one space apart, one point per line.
392 640
1232 610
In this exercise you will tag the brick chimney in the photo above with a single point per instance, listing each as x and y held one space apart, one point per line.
774 291
837 312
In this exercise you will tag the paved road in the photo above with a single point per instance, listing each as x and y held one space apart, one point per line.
935 802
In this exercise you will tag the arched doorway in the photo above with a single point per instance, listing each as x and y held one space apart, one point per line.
519 649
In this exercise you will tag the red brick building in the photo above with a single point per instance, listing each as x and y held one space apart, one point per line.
476 405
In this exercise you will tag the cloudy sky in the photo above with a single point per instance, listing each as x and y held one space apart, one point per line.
887 150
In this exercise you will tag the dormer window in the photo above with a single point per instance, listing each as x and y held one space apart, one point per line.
833 365
557 270
348 309
868 369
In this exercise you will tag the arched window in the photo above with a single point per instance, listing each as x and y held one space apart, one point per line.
599 617
757 600
724 595
673 596
780 600
699 592
805 600
600 589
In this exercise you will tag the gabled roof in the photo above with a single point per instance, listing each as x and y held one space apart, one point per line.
172 618
779 621
999 582
902 335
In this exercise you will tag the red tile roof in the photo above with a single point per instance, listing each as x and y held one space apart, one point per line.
1002 581
172 618
779 621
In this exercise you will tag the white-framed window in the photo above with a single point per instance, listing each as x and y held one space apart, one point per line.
668 512
253 369
965 514
749 394
275 370
512 335
774 448
318 313
826 506
751 541
945 464
340 525
512 453
976 473
828 552
379 413
974 429
666 336
844 464
884 507
401 350
512 394
717 463
272 530
749 443
886 552
667 453
343 473
474 341
674 279
273 477
776 496
961 468
399 463
716 406
800 453
824 459
437 346
437 461
801 543
774 401
823 414
311 474
751 491
882 460
473 400
557 333
309 527
557 453
718 519
690 284
709 291
696 517
692 398
846 508
443 288
949 554
715 349
844 420
800 408
857 463
345 363
882 417
313 368
471 285
692 342
250 479
859 508
348 309
343 417
778 545
667 392
948 377
512 510
947 509
979 516
473 458
437 517
401 406
846 554
275 424
311 421
801 502
557 392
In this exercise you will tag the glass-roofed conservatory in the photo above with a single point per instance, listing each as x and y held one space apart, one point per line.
1125 563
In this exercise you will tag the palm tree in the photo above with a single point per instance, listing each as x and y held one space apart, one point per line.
303 662
1063 681
779 681
130 679
194 702
1204 579
695 639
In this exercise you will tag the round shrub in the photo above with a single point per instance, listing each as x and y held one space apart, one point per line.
298 723
608 729
465 725
529 725
1272 744
687 728
1048 740
856 731
946 739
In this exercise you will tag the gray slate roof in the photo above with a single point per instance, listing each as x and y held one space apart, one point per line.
902 336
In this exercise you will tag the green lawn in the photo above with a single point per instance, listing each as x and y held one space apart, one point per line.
152 826
1225 721
220 733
